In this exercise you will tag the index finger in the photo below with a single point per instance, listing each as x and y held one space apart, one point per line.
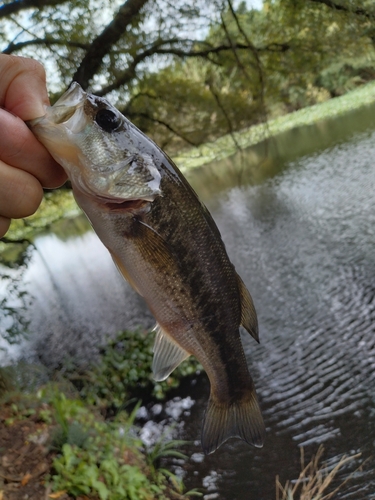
23 92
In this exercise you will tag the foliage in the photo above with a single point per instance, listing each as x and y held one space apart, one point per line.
20 410
55 206
165 448
81 472
224 146
102 458
314 480
346 75
69 431
6 383
287 56
188 73
124 370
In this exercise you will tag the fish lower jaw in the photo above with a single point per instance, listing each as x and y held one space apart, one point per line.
113 205
128 205
83 191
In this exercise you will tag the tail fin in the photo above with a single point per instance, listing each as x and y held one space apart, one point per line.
241 419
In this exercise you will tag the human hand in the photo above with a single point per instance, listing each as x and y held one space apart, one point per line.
25 165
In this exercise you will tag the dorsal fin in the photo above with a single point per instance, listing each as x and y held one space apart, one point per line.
167 355
249 318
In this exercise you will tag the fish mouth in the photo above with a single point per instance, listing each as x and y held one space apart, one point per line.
73 97
60 114
64 108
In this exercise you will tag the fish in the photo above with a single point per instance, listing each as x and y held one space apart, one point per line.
166 244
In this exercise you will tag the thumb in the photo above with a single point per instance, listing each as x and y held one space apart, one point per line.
23 88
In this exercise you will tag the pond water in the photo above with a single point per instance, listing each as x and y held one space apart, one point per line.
298 218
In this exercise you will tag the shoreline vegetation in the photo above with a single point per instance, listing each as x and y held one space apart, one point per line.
228 144
66 446
56 446
71 438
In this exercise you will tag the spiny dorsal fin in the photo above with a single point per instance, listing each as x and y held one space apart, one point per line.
249 318
167 355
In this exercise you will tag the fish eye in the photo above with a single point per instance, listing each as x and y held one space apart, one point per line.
107 120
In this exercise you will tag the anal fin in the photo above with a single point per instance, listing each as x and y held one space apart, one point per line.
249 318
167 355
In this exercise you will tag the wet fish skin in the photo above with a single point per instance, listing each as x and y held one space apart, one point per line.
166 244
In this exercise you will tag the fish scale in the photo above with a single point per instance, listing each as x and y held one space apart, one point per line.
166 244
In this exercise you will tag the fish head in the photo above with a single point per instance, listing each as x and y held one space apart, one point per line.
103 153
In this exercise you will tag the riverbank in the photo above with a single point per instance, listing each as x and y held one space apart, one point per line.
72 439
231 143
54 446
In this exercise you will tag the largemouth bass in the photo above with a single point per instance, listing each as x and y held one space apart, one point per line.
167 246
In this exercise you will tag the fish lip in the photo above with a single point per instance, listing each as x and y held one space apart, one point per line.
73 97
64 108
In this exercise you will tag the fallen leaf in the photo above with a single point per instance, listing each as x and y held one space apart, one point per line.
26 478
57 494
1 495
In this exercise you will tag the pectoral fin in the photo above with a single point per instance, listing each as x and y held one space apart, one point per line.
167 355
152 249
249 318
123 271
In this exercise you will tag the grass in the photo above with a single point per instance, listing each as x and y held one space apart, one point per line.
57 446
85 455
314 480
225 146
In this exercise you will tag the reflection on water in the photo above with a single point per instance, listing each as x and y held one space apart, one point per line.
81 298
303 240
14 304
270 158
304 244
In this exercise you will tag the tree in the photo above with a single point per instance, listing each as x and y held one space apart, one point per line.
187 72
137 38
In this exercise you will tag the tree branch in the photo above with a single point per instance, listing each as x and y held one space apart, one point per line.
165 124
17 5
253 50
13 47
157 48
18 241
103 43
273 47
225 114
333 5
